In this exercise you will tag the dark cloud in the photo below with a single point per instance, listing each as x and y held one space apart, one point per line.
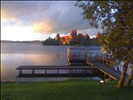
23 8
46 16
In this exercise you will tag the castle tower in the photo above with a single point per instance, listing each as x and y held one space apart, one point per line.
73 35
57 37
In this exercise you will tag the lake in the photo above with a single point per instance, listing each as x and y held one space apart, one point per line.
16 54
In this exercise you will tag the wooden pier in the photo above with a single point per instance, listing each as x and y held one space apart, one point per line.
80 64
80 56
103 71
107 72
106 69
71 71
76 56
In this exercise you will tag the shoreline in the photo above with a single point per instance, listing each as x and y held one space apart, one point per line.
51 79
65 90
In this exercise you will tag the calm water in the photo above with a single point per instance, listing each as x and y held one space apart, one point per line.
16 54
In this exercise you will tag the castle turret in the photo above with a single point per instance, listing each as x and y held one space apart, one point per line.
57 37
73 35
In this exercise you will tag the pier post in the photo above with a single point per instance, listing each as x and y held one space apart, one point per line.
100 74
83 72
58 71
33 71
70 72
103 61
45 71
20 71
104 76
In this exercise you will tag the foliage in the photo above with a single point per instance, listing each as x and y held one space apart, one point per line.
116 19
87 39
82 40
64 90
50 41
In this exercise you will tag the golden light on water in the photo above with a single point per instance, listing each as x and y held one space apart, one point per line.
40 59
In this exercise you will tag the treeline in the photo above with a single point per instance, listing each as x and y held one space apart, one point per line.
50 41
80 40
86 42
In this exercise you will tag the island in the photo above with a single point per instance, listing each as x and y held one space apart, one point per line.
72 39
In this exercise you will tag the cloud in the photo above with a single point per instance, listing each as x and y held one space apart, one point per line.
45 17
20 9
41 27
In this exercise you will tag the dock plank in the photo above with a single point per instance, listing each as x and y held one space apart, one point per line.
112 72
55 75
54 67
84 71
96 65
109 71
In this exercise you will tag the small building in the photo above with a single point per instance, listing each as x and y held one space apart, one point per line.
76 56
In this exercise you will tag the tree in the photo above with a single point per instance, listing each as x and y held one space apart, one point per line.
78 39
116 19
87 39
50 41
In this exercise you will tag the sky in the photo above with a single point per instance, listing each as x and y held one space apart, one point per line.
38 20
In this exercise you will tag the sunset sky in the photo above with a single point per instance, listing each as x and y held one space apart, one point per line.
38 20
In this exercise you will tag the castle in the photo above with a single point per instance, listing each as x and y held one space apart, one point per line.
73 37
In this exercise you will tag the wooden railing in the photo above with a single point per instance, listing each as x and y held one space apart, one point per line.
104 61
55 71
90 56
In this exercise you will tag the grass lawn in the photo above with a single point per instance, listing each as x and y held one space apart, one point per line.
65 90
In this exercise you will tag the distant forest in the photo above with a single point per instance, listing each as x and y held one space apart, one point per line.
50 41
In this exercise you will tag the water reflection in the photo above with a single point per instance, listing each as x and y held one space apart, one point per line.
58 55
16 54
11 61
